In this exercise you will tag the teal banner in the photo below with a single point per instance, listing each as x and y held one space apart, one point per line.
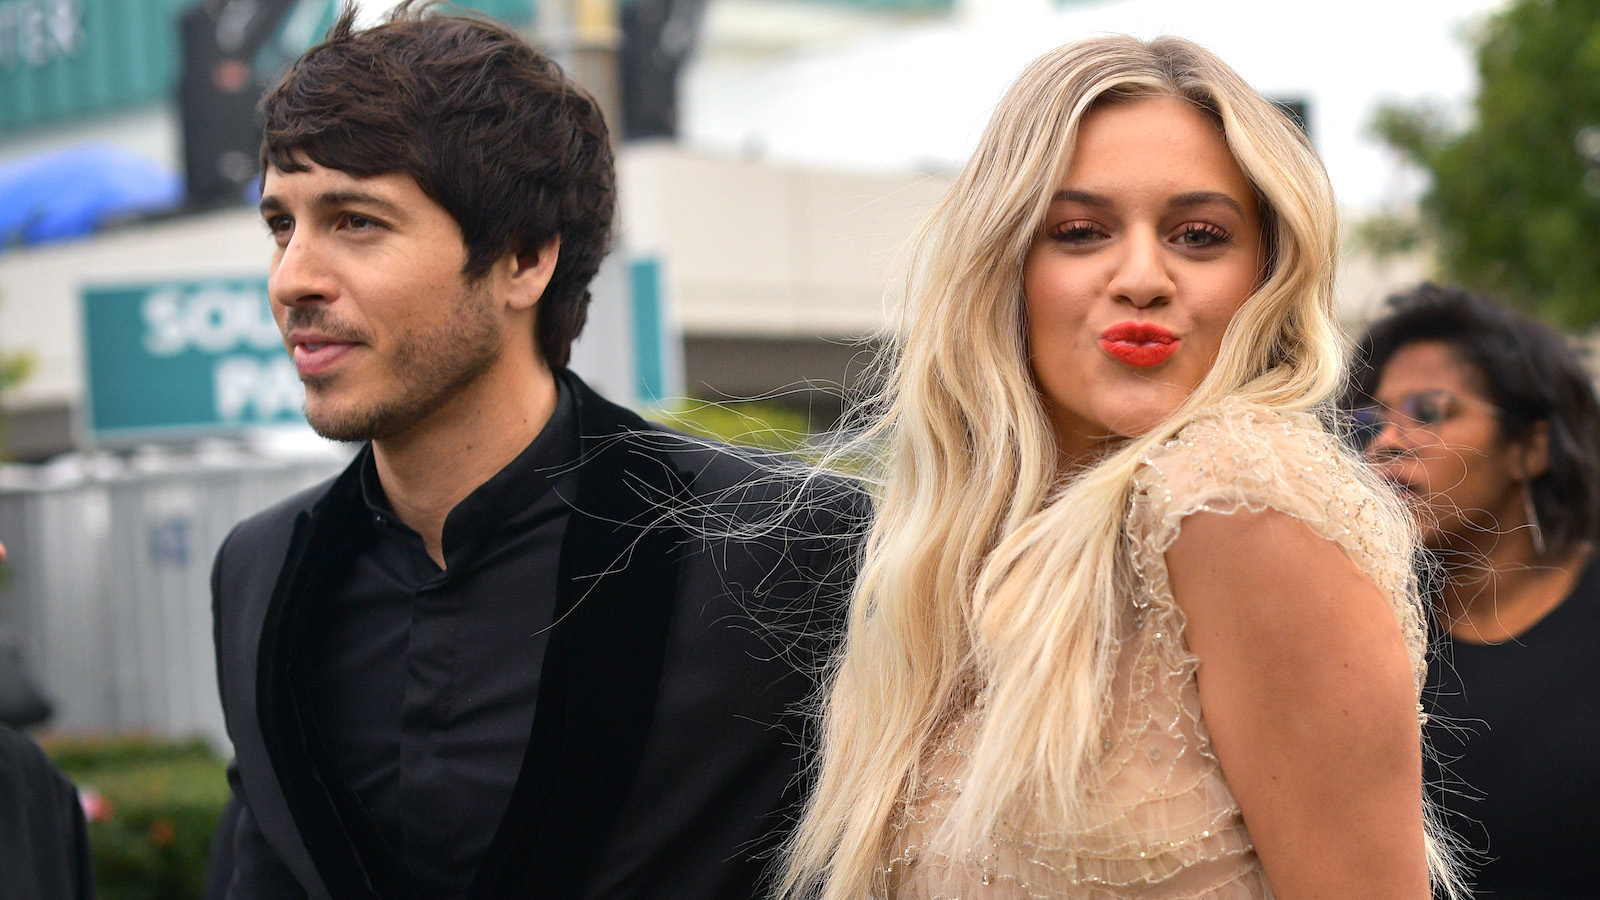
68 60
185 358
511 12
65 60
649 334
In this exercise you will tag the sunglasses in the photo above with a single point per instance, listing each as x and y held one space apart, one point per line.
1421 411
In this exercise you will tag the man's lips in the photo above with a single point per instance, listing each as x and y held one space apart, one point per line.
1140 344
317 355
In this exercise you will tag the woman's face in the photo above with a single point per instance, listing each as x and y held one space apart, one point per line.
1151 244
1440 442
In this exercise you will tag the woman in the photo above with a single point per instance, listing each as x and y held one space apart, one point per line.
1487 422
1124 596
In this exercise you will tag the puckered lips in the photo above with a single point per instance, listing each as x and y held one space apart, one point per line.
1140 344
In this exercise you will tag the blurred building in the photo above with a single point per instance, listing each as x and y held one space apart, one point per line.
132 268
764 277
758 273
133 265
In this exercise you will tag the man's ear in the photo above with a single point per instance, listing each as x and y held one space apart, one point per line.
1535 451
528 273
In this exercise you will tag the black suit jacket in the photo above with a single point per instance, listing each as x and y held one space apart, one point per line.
44 841
700 591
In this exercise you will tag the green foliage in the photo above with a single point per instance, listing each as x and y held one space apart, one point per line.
1389 235
14 369
162 802
750 424
1515 200
767 426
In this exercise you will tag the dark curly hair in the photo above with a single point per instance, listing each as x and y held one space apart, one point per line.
490 128
1531 372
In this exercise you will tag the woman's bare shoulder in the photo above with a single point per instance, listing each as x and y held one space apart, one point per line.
1247 483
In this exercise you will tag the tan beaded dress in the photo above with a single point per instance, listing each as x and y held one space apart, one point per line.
1164 823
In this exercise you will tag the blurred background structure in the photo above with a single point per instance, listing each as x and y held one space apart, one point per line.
772 153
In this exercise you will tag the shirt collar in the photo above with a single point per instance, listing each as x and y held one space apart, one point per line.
523 482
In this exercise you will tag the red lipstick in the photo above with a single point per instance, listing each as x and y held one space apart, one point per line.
1139 344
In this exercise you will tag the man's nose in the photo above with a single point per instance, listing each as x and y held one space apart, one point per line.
301 273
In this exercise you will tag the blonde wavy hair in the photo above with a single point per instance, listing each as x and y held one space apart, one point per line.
985 564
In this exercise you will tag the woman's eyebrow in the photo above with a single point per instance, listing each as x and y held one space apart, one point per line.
1204 198
1185 200
1072 195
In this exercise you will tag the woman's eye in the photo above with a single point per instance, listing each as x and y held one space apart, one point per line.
1202 235
1429 411
356 220
1076 232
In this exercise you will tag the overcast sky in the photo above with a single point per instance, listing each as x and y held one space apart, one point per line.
919 97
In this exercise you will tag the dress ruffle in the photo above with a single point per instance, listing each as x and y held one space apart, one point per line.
1162 822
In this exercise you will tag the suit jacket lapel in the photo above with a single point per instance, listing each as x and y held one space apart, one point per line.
597 691
350 857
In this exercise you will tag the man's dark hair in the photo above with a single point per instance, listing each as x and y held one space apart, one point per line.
489 127
1531 372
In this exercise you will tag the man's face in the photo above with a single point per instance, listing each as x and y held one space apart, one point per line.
367 288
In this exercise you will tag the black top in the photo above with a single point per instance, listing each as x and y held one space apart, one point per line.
1516 729
44 844
424 680
700 593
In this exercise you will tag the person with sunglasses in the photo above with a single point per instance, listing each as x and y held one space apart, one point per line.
1486 421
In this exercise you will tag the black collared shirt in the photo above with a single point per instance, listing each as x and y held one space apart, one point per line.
424 681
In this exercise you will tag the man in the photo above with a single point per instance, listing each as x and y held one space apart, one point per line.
518 648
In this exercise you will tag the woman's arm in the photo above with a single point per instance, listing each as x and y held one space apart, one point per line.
1307 692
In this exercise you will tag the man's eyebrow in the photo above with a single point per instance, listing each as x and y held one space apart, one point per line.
355 198
334 199
1204 198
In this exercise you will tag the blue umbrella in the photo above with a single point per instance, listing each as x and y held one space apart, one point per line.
67 193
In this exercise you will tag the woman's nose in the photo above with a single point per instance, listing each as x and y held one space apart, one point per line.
1142 277
1388 441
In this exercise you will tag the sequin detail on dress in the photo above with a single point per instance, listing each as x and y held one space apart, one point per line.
1163 822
